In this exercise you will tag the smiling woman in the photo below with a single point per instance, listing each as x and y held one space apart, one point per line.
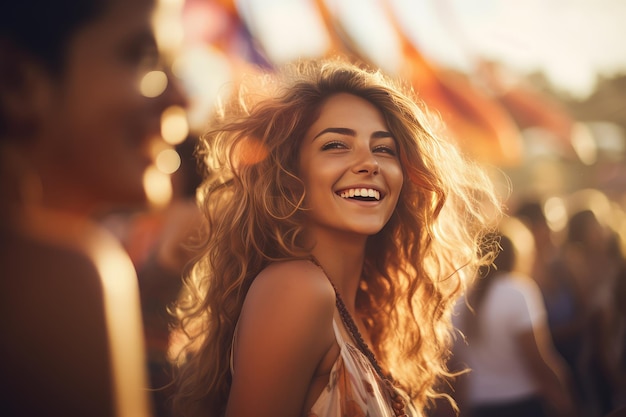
347 158
325 283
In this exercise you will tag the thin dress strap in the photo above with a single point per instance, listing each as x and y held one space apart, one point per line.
232 350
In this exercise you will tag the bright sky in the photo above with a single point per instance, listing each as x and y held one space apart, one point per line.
570 40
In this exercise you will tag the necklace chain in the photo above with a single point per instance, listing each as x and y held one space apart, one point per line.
397 401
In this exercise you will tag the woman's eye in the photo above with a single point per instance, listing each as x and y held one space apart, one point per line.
333 145
385 149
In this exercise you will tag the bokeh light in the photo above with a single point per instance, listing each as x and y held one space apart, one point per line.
174 126
250 151
584 144
556 213
169 30
168 161
153 84
158 187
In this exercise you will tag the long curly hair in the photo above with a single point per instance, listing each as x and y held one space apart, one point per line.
253 200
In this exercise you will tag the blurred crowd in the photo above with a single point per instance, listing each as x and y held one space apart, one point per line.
54 184
582 278
548 321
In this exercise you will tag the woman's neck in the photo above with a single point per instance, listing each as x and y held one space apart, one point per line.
342 259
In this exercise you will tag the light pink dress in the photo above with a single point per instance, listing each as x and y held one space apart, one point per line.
354 388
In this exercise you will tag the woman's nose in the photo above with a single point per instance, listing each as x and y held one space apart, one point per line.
366 163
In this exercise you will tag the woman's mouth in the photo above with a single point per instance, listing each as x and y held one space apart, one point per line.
361 194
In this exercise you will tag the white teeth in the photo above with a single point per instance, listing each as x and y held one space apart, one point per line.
360 192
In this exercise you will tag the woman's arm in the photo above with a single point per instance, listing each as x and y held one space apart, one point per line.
284 331
547 368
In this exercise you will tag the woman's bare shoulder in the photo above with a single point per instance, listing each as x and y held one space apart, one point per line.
293 297
297 281
286 317
284 332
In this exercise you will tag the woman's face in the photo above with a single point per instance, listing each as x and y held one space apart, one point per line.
93 145
350 167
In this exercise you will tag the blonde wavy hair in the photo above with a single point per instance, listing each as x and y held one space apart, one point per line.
253 200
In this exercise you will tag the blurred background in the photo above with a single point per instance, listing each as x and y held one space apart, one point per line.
533 89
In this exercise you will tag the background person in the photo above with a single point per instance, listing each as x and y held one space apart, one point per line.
513 366
74 138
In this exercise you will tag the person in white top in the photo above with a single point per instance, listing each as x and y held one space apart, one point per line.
514 369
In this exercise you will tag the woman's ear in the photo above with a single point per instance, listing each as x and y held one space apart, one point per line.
25 93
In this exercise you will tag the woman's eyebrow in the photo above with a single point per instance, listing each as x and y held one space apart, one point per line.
380 134
339 130
351 132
